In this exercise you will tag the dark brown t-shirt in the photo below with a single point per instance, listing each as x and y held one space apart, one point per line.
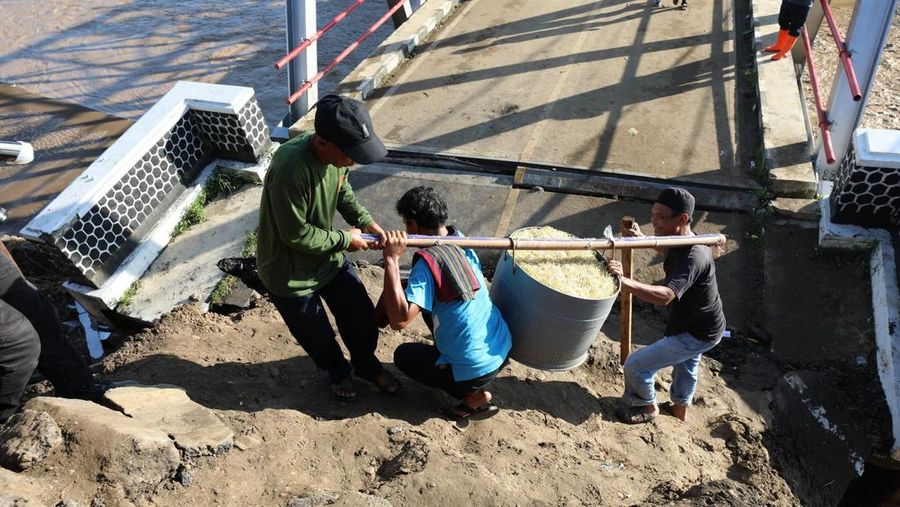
697 309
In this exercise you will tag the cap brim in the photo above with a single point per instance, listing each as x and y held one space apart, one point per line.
369 151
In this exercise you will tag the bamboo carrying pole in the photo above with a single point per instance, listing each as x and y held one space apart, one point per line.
625 304
419 241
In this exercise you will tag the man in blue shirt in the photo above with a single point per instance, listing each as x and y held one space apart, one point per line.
471 339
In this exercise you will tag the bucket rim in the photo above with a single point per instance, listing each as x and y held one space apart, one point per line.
600 257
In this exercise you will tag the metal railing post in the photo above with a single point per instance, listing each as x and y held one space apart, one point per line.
301 25
401 15
866 37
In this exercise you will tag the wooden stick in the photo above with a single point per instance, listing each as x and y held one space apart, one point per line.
623 243
625 301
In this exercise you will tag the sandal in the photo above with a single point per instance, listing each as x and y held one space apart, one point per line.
462 411
636 415
386 382
344 390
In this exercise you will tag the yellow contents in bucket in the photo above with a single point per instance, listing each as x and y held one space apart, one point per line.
577 273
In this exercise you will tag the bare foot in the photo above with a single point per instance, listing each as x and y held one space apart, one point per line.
679 411
477 399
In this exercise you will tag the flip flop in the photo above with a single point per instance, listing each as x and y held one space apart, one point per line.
344 390
386 382
635 415
462 411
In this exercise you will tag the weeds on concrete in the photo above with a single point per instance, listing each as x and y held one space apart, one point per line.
752 76
761 169
128 297
194 215
759 218
221 184
227 283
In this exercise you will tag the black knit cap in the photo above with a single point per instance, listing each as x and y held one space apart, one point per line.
346 123
678 200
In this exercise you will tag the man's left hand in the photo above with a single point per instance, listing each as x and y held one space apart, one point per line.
374 228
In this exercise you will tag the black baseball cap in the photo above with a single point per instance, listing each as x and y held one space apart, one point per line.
346 123
678 200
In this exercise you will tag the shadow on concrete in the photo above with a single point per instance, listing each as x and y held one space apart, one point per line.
636 85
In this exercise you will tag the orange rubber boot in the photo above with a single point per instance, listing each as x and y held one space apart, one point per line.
791 40
782 38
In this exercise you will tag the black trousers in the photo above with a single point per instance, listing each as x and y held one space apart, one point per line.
417 361
20 347
354 314
792 17
59 362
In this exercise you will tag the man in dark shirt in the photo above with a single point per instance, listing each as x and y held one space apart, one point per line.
696 322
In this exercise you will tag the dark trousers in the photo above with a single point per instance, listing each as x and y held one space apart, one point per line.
354 314
59 362
792 17
417 361
20 347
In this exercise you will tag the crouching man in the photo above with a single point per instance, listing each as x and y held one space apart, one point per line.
471 339
696 322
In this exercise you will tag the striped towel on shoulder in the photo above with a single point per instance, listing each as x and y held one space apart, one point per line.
451 271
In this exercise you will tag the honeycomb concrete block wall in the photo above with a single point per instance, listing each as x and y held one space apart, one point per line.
867 183
113 220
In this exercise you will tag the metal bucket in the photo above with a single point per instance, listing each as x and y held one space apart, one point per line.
550 330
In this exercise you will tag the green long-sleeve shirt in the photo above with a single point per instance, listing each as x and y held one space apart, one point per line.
298 249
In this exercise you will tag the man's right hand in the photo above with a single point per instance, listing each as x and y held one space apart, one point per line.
357 242
634 231
615 267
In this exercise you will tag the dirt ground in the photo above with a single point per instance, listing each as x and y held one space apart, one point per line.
555 442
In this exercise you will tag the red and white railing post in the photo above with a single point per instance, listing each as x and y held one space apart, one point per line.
301 26
822 114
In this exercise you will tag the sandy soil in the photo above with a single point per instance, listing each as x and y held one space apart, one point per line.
556 441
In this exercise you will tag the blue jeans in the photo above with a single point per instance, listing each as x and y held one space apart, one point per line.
682 352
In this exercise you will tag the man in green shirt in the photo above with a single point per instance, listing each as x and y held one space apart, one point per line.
300 256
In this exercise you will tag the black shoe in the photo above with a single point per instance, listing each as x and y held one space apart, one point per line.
91 391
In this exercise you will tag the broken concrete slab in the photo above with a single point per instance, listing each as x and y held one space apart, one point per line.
121 450
351 499
17 490
797 209
838 283
27 438
186 270
194 428
820 427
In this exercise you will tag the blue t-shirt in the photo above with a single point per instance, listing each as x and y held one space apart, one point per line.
471 336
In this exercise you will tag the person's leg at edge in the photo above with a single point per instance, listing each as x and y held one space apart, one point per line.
417 361
354 314
20 348
306 319
640 368
59 362
684 378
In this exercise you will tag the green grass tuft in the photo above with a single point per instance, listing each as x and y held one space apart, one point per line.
194 215
128 297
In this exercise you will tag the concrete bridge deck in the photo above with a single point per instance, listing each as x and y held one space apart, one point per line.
615 86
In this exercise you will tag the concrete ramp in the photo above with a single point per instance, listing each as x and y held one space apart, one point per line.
604 85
